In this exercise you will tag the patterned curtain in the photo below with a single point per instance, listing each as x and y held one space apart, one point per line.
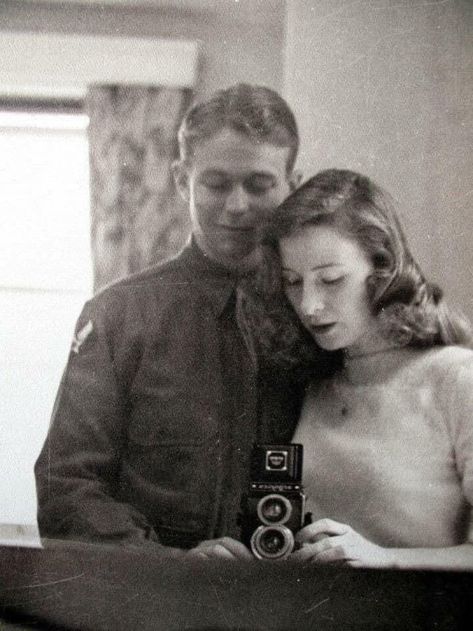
137 216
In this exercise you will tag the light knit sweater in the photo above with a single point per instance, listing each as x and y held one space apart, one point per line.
388 447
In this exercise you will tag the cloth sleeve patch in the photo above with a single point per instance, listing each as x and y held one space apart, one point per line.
81 336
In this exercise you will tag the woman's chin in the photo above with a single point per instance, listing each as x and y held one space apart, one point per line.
327 345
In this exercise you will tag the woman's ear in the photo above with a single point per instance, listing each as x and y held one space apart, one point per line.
181 178
295 179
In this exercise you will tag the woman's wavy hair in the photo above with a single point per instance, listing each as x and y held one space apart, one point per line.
411 311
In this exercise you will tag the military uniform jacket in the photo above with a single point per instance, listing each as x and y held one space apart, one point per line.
156 413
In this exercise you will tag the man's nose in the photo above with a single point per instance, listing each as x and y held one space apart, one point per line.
237 200
312 301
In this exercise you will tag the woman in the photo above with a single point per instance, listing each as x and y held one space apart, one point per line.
388 436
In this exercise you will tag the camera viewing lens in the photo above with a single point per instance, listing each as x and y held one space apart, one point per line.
272 542
274 509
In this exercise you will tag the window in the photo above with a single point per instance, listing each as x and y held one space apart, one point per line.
45 276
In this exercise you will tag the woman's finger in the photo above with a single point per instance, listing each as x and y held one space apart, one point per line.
320 529
305 553
336 554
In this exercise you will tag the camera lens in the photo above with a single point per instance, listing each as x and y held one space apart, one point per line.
274 509
272 542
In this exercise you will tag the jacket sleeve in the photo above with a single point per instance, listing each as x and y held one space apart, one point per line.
77 471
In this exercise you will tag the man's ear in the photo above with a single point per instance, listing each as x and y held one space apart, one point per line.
181 178
294 180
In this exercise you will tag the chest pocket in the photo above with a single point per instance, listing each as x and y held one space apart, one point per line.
176 396
178 410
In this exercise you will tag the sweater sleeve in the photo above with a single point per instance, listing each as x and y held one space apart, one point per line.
459 394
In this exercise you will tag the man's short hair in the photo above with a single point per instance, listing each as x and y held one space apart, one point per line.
255 111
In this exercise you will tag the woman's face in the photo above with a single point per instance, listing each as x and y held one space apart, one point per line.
324 275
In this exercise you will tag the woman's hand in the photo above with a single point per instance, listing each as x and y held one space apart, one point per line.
329 541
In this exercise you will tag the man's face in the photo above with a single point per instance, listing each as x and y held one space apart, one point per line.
231 185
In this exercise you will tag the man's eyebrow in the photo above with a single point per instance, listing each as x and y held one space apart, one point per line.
211 172
264 174
255 174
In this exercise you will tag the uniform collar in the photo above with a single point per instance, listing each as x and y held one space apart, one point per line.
215 281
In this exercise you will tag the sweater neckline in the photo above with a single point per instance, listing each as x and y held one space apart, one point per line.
376 367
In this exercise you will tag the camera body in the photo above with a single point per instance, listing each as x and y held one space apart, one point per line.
273 509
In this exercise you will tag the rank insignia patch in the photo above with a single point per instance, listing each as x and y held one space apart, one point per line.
81 336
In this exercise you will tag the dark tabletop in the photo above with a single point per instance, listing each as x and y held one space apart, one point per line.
89 587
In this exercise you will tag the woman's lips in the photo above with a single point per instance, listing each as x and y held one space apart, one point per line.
322 328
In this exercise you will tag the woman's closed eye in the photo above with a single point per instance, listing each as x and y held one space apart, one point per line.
333 280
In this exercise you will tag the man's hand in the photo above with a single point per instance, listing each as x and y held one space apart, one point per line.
328 541
223 548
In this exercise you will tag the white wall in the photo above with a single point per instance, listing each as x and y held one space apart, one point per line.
65 65
239 41
386 87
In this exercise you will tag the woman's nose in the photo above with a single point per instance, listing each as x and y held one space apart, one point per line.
312 301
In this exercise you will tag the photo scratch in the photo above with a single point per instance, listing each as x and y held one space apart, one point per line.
47 583
316 605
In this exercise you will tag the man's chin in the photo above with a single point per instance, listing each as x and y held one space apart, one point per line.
239 259
234 254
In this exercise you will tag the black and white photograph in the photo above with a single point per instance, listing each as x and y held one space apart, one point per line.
236 341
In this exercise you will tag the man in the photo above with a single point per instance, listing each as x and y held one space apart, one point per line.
161 399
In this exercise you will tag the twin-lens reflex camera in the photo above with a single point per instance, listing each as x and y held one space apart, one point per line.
273 509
